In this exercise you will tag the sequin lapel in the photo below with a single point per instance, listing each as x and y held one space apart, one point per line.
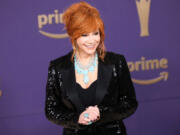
104 76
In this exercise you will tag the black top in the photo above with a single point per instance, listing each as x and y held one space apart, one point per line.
87 96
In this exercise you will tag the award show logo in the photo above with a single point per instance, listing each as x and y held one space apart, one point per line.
147 65
143 8
55 18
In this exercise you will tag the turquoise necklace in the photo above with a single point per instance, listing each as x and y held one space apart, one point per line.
85 69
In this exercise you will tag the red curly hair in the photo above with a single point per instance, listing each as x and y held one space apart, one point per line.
81 18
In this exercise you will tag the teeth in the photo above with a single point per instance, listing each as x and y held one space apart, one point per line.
89 46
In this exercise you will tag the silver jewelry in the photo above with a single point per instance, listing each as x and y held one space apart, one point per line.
86 115
89 122
85 69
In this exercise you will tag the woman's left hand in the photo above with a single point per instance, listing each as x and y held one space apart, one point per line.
93 112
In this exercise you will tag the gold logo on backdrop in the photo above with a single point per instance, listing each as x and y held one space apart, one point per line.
0 93
143 8
147 65
55 18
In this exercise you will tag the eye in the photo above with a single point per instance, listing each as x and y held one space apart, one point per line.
96 33
84 35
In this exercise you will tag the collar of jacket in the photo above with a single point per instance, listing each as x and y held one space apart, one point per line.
65 67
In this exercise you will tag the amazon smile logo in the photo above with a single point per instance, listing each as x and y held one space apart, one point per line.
149 65
49 19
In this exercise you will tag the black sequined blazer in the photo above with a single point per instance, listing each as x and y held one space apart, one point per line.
115 96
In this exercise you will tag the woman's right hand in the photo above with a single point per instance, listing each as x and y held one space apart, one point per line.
82 119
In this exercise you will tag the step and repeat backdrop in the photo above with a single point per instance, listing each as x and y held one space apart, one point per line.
146 32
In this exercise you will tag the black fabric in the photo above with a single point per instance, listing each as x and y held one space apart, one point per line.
115 96
87 96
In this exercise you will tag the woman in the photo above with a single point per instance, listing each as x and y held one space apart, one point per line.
89 91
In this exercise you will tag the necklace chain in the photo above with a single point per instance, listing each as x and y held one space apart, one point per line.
87 66
81 69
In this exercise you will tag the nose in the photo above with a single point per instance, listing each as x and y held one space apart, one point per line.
91 39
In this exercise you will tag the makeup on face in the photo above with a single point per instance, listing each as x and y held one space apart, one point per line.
87 43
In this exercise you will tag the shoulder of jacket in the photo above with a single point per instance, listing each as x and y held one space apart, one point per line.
62 61
113 57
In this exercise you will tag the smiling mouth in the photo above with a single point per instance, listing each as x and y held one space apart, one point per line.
90 46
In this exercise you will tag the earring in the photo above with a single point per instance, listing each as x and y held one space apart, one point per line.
74 48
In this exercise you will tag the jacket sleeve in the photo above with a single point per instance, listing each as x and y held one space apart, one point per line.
127 103
55 110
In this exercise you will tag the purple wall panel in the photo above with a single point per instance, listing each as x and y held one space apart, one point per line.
25 54
155 117
33 124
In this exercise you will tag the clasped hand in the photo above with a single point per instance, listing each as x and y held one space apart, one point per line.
94 115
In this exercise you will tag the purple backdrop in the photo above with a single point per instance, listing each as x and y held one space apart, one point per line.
153 59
